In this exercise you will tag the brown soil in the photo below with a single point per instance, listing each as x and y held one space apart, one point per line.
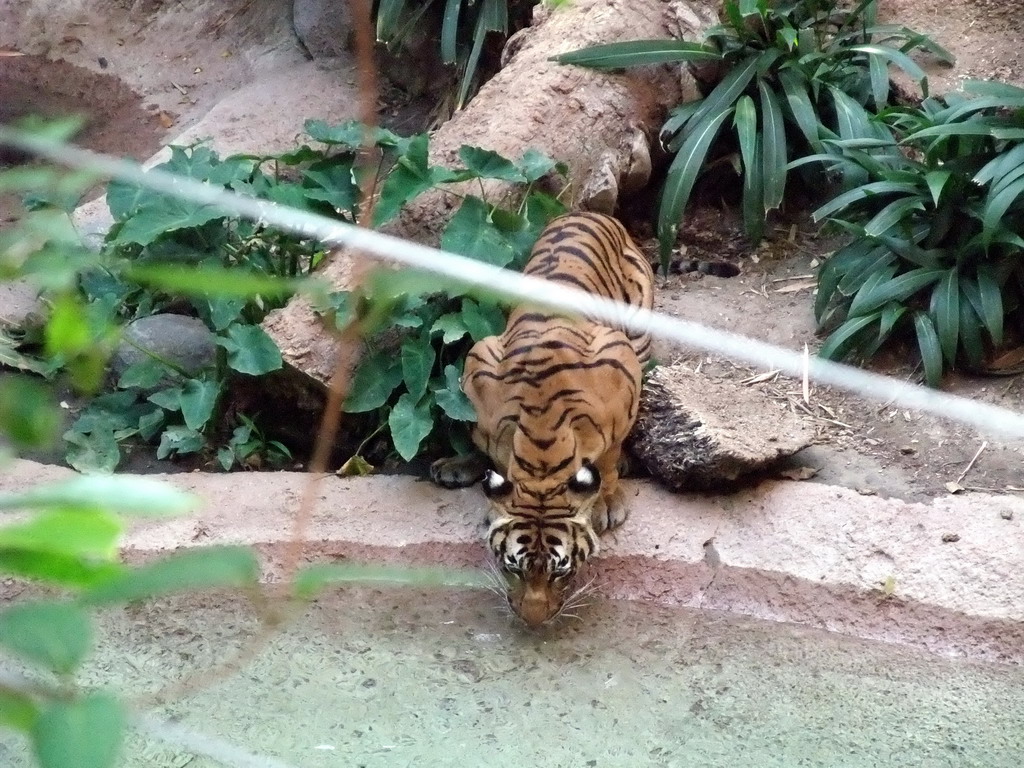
985 36
115 120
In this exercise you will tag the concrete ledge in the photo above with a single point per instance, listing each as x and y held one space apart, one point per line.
810 554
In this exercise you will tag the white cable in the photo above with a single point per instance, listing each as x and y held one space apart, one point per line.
225 753
988 418
167 731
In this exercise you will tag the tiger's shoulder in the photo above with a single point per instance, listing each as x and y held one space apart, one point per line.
595 253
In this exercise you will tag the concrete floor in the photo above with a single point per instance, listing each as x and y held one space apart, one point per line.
439 678
944 576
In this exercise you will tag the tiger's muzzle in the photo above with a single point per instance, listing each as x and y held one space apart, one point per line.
536 600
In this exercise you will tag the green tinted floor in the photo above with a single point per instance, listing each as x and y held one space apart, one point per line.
397 678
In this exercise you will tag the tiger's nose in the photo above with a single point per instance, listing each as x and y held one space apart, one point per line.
536 607
535 614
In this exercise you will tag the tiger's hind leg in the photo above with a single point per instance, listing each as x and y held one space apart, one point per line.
459 471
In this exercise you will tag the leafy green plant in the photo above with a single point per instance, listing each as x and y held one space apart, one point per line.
938 228
154 400
792 75
152 234
66 536
164 254
408 379
249 447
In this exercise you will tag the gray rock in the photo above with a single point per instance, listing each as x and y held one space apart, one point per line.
700 433
183 341
322 26
19 304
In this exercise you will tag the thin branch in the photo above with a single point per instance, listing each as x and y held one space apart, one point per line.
970 464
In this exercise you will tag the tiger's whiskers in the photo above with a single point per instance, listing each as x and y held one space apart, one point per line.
577 599
582 591
577 604
496 584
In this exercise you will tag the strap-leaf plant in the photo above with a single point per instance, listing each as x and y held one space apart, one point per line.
465 25
793 75
939 228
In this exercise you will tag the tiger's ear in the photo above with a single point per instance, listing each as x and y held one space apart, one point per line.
495 486
586 480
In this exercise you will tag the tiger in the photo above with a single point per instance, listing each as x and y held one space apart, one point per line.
555 399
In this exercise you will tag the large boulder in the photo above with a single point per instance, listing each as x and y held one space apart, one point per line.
601 124
323 26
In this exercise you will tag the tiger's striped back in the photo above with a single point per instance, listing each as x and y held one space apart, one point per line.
555 399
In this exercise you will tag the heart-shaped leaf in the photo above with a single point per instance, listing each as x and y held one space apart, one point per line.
56 635
84 733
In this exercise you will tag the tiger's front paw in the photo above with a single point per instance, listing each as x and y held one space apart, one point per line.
609 512
459 471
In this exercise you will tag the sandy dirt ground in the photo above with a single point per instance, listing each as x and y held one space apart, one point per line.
863 445
984 35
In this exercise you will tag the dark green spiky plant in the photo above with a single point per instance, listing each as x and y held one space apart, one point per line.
465 26
793 74
938 225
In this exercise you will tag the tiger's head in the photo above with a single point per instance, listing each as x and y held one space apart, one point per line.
541 534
